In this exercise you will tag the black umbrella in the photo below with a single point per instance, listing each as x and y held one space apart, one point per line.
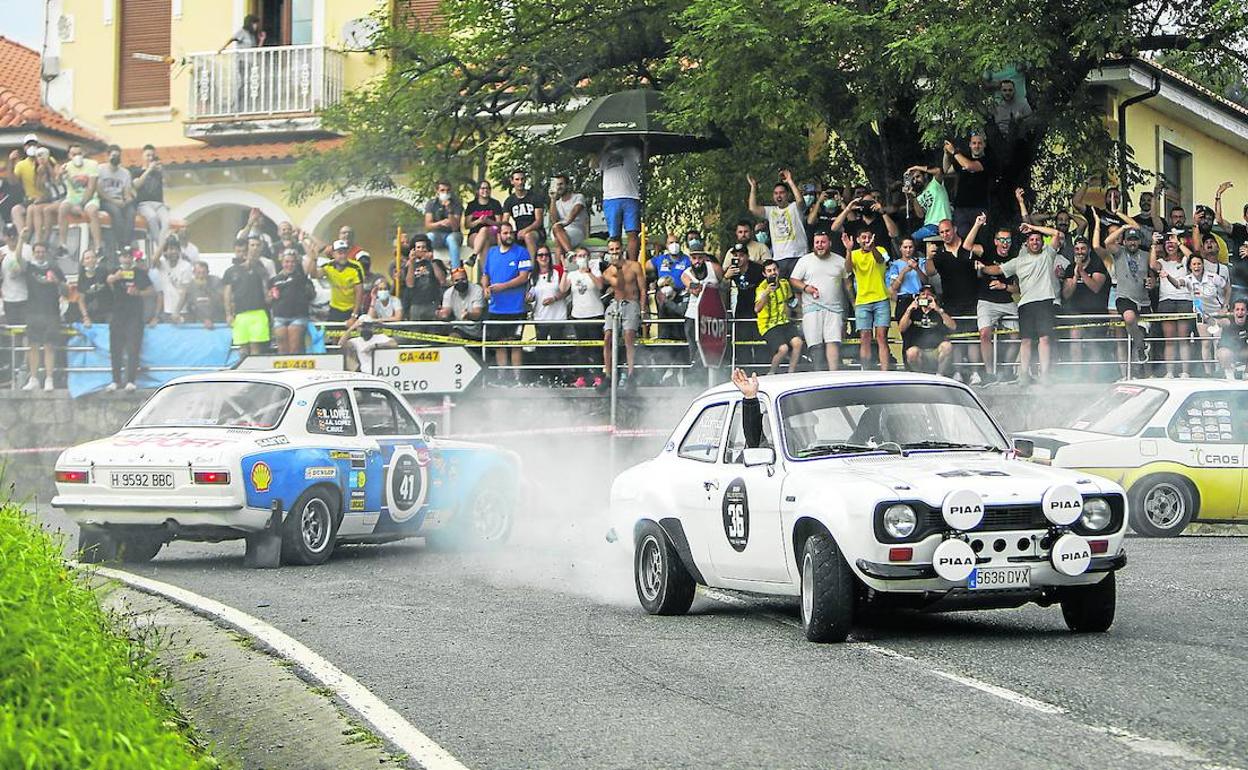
634 113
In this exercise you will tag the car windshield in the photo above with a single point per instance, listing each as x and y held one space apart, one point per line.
214 405
1123 411
849 420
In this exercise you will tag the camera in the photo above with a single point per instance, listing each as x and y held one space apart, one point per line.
924 302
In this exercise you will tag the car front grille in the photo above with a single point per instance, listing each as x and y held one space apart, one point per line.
996 519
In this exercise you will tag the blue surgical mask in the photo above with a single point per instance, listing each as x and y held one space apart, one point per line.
831 204
810 200
761 236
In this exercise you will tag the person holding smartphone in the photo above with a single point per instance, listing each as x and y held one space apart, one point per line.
929 326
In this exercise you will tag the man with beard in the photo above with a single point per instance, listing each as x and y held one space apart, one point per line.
1202 228
246 305
130 284
976 176
1233 342
95 295
994 297
784 220
702 276
204 300
627 280
955 263
866 213
819 278
927 194
423 282
358 350
743 233
1085 287
1034 267
1130 269
176 274
117 199
504 281
743 275
463 304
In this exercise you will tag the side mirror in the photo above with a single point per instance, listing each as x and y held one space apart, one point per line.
429 430
755 456
1024 447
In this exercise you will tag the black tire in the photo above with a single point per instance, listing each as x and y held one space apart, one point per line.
484 522
1162 505
664 586
1090 609
309 529
827 585
139 549
95 545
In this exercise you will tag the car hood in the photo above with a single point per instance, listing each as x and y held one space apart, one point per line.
171 447
930 476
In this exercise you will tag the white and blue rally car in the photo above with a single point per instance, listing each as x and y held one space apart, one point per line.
292 461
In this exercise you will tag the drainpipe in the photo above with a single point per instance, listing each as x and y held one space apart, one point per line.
1122 132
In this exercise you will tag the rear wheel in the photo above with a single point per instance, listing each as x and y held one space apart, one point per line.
664 586
309 530
1090 609
95 545
1162 505
827 591
138 549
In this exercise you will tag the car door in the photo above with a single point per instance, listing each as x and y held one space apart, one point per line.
696 478
749 543
404 479
1208 436
333 425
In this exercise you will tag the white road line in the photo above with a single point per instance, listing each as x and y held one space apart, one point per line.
385 720
1156 747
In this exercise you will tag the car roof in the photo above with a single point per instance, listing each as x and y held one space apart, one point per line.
1184 387
775 385
293 378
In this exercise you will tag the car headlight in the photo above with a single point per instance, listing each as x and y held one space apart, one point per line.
900 521
1096 514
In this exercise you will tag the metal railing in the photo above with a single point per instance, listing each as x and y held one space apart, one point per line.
257 82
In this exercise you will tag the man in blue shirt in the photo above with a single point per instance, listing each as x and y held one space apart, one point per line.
505 280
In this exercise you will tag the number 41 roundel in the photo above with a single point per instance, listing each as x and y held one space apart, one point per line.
406 486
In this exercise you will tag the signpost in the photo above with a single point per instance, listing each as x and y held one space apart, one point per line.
712 329
425 371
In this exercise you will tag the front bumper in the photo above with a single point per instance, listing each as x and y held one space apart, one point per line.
878 571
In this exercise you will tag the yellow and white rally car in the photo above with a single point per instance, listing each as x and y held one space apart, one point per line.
1179 448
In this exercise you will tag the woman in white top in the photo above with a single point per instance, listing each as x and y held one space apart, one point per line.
583 282
1210 294
1173 298
701 276
385 307
549 306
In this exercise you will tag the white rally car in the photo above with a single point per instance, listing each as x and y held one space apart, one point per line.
895 489
292 461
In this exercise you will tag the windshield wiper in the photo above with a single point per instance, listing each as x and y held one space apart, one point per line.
948 445
847 448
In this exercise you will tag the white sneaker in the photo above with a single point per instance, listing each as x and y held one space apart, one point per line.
1230 375
1184 375
958 376
976 379
112 386
129 387
48 387
31 384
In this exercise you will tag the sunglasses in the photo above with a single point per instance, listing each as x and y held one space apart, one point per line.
543 253
1003 240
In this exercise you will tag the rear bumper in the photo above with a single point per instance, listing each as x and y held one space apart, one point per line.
214 514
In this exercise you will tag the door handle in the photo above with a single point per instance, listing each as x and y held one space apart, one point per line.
711 484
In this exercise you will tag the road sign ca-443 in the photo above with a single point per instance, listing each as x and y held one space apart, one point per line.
426 370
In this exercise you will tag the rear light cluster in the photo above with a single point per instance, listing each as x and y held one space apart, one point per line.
211 477
71 477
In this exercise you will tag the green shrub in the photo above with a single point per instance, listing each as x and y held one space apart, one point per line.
74 691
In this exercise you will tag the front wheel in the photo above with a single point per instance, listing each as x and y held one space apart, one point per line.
1090 609
484 522
827 591
309 529
664 586
1162 505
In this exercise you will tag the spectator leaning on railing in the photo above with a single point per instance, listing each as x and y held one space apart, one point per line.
176 274
45 284
583 282
204 299
290 298
358 350
463 304
246 308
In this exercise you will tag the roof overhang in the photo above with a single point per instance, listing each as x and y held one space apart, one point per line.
1179 98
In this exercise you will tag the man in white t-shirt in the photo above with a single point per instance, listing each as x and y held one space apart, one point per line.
819 278
359 349
176 274
620 162
13 276
784 220
569 219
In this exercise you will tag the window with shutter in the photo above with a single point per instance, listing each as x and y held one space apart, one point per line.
417 12
144 30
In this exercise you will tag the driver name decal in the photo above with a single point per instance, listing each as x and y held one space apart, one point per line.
736 509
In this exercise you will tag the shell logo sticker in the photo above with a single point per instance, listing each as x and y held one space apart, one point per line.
261 476
359 478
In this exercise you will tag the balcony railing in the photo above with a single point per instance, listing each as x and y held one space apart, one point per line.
253 83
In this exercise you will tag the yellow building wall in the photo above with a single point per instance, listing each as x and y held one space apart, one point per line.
1213 162
203 26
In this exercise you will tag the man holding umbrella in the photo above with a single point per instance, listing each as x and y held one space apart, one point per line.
620 163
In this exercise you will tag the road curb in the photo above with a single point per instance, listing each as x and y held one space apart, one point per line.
382 719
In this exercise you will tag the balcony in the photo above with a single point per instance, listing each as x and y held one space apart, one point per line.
262 92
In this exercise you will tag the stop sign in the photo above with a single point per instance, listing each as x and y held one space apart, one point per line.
712 328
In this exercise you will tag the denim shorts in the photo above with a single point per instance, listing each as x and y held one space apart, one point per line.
872 315
281 321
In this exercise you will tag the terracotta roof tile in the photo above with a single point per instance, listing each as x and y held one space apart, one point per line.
21 106
206 155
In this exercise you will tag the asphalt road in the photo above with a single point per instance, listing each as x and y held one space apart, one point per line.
539 656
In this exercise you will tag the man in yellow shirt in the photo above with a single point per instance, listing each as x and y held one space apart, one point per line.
871 311
771 306
22 168
346 280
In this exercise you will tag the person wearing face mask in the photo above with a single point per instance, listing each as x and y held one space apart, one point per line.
463 304
385 307
22 169
743 236
423 282
203 302
130 284
359 342
702 275
443 216
822 206
81 178
117 199
290 299
583 282
176 274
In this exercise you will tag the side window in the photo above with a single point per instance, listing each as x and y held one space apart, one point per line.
332 414
736 436
701 443
382 415
1210 418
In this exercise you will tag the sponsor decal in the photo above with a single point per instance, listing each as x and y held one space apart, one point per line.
1071 555
301 402
261 476
272 441
357 504
1227 457
423 457
736 513
338 454
405 492
1062 504
169 440
359 479
963 509
954 560
320 473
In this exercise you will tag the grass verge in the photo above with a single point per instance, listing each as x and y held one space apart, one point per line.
75 692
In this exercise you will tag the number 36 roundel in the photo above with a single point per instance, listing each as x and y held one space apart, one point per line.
736 510
407 484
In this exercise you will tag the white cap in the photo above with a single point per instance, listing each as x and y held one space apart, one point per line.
30 138
366 319
341 246
362 254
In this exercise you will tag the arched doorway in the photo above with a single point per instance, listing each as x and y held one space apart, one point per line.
374 216
214 218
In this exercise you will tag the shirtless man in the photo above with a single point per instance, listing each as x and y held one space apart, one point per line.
627 279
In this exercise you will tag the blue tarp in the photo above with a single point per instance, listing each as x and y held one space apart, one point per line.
174 350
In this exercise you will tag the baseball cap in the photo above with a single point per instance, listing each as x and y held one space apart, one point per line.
808 189
30 138
1132 233
341 246
1079 239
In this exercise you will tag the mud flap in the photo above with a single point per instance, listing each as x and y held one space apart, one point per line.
264 549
